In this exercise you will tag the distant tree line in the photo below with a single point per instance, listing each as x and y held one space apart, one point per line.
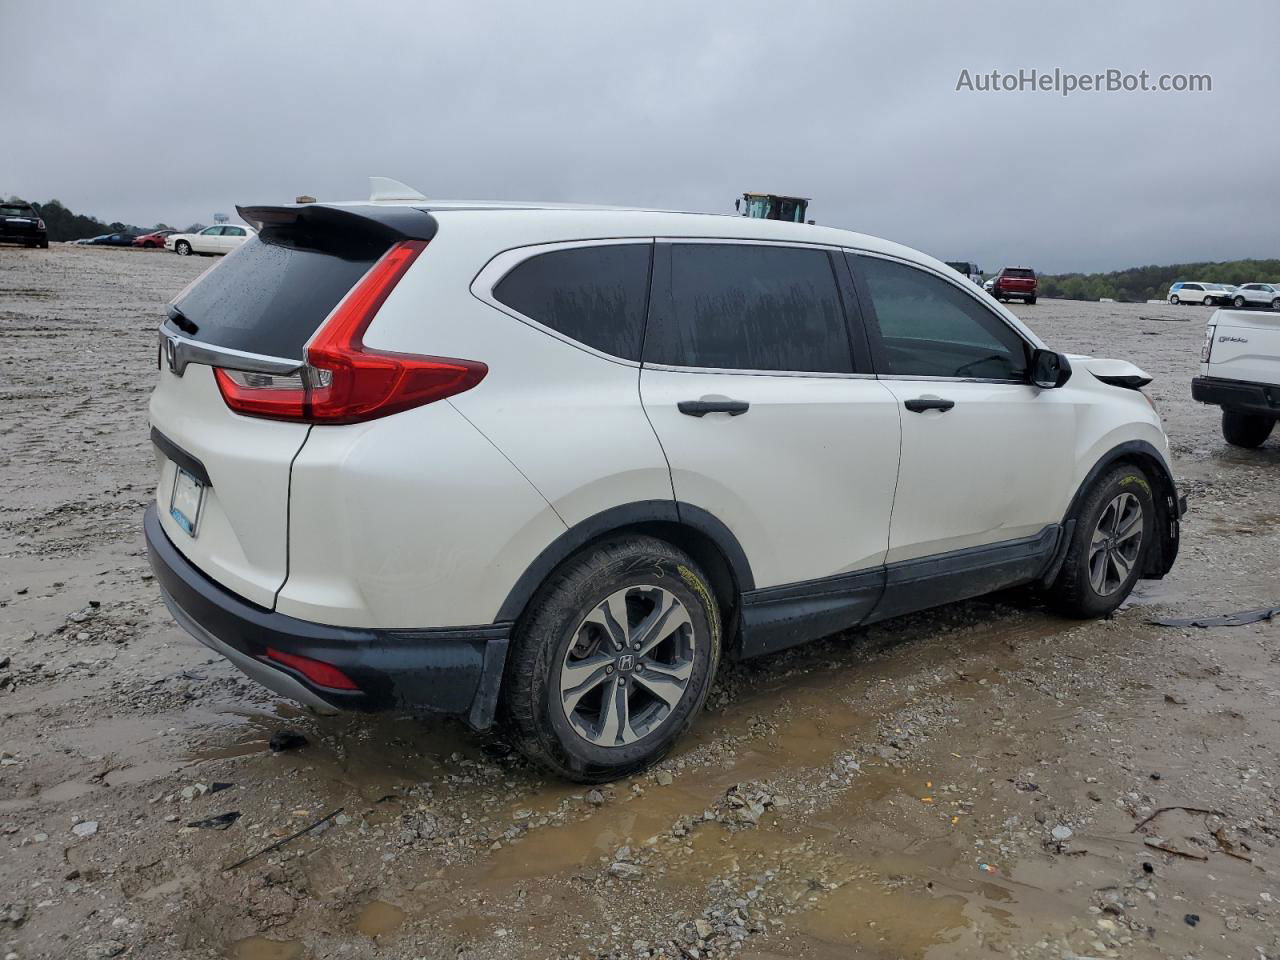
1139 284
62 224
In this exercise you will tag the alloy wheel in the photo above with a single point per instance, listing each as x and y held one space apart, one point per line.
628 666
1116 544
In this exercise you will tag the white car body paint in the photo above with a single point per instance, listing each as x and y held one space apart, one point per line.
427 518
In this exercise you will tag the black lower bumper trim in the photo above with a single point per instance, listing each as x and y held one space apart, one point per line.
1237 395
454 670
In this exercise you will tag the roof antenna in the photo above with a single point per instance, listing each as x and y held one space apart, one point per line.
384 188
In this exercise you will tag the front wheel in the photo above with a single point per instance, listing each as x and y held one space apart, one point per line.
1246 429
1275 304
1114 528
1208 301
613 660
182 248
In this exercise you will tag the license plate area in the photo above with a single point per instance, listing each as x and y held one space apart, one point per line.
186 501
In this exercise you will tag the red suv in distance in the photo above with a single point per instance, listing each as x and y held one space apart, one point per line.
1014 282
154 239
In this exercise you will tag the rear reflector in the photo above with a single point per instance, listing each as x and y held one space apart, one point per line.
320 673
343 381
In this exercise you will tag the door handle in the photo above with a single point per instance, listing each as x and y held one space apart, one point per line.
921 404
700 408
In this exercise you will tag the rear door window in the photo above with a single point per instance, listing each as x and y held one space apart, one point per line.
929 327
747 306
596 294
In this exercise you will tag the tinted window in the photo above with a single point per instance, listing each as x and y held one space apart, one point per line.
16 210
1020 272
932 328
595 295
269 298
749 307
233 231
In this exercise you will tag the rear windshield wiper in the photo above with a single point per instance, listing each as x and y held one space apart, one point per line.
181 321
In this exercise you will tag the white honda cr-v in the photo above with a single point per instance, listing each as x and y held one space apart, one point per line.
552 464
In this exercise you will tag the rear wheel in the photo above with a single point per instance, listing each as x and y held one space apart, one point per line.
1174 300
613 660
1238 303
1031 301
182 248
1114 528
1246 429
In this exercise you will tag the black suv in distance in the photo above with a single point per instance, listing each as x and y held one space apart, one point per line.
20 223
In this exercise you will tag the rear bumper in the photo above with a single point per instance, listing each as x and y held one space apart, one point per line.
1261 398
454 670
1012 293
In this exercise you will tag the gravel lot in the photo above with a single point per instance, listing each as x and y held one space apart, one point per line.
968 782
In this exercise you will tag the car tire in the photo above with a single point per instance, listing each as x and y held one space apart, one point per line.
574 623
44 244
1275 304
1238 303
1103 562
1031 301
1248 430
1208 301
1174 300
182 248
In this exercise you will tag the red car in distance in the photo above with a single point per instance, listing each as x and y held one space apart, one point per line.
1017 282
154 239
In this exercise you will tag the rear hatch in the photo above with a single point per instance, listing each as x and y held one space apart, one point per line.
19 220
1245 345
1018 280
223 490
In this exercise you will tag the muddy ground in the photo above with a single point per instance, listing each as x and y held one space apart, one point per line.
970 782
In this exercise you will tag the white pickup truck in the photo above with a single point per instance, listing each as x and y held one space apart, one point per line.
1240 372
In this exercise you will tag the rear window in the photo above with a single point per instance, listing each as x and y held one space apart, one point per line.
595 295
1020 273
748 307
16 210
269 298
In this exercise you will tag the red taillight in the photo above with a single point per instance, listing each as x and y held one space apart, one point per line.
344 381
317 671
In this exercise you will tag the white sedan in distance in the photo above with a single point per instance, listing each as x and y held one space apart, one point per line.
220 238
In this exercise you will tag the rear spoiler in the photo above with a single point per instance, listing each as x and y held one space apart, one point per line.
302 224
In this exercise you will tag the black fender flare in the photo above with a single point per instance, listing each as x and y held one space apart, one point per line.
1169 506
621 518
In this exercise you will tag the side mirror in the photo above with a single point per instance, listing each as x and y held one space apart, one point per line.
1049 369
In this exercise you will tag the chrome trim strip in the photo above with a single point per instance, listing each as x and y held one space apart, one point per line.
729 371
755 241
907 376
178 351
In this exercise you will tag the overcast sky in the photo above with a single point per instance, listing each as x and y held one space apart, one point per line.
169 111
